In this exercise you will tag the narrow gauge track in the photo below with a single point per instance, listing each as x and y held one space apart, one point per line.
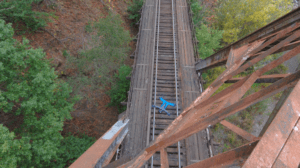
165 81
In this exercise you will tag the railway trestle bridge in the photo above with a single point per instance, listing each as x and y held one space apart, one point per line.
166 66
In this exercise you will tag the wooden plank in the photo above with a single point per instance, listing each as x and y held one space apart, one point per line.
136 140
270 145
189 84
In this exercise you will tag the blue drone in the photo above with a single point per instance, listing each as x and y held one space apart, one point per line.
164 105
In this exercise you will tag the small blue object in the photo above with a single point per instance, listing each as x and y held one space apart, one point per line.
164 105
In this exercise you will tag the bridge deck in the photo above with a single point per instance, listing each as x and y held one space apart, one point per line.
197 143
137 113
140 101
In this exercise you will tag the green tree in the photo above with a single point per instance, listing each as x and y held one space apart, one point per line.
199 13
208 37
209 40
29 88
13 151
118 93
16 11
240 17
134 10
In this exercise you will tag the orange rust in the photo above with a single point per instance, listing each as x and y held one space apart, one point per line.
290 155
239 131
91 156
164 158
272 142
228 158
213 119
262 79
208 110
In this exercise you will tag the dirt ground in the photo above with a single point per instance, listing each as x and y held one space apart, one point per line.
67 32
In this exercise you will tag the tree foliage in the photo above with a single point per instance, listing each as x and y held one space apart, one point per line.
107 52
118 93
209 40
240 17
29 88
134 10
16 11
71 148
13 151
199 13
208 37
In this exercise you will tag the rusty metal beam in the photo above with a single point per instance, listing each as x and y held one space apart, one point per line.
190 126
239 131
231 158
164 159
101 151
290 155
250 63
220 57
277 107
262 79
277 134
284 48
169 136
200 124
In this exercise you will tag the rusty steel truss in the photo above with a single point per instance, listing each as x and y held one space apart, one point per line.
278 142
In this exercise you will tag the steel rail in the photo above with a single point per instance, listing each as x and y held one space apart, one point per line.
207 130
174 43
157 42
151 88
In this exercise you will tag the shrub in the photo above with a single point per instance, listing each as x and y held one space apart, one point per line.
118 93
109 48
134 11
16 11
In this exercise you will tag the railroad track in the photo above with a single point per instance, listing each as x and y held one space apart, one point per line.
165 82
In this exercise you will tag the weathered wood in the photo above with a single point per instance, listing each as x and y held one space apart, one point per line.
101 152
123 103
196 145
118 162
137 111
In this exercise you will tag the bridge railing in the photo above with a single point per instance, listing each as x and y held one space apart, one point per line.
103 150
192 25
